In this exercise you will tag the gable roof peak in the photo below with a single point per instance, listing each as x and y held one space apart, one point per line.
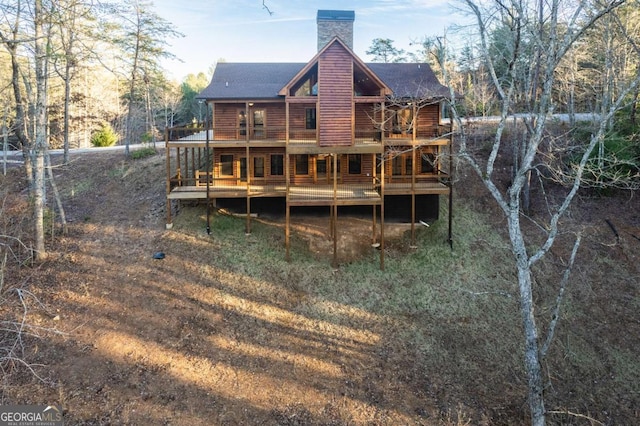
356 60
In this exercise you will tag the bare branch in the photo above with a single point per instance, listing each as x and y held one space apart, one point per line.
577 181
571 413
264 6
556 312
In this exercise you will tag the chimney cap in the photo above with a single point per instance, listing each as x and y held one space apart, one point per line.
336 15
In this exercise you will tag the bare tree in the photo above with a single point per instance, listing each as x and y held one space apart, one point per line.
71 19
41 143
170 97
142 38
552 27
14 39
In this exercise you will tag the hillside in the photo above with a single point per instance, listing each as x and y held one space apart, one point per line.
224 331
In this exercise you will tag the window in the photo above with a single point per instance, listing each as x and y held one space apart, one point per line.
310 119
277 164
321 166
309 84
226 165
302 164
258 123
243 169
396 165
427 163
402 121
408 165
242 122
258 167
355 164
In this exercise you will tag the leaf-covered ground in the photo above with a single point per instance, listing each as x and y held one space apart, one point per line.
224 331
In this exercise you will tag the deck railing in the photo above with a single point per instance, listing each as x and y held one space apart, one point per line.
362 135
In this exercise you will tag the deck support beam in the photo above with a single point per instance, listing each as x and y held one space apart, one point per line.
334 211
247 229
413 196
169 223
334 233
451 185
287 185
374 218
382 215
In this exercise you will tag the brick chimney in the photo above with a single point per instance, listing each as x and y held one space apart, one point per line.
332 23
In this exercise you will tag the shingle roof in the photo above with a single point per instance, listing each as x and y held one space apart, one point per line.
264 80
249 80
410 80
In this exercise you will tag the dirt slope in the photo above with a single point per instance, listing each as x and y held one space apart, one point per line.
185 340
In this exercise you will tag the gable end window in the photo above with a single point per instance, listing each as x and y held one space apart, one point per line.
308 86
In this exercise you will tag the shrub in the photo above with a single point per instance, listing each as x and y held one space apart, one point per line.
143 152
615 163
105 136
147 137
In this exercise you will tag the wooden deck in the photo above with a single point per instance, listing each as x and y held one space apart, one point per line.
226 191
345 194
420 188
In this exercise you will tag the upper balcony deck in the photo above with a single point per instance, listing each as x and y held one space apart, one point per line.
365 140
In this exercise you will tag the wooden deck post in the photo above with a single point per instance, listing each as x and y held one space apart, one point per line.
186 165
382 217
206 129
451 184
373 224
169 223
334 231
413 198
193 163
286 230
287 177
178 165
248 171
375 208
334 207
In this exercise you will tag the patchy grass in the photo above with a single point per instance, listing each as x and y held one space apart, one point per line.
453 311
451 314
225 331
144 152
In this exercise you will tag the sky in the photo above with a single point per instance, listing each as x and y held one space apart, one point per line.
244 31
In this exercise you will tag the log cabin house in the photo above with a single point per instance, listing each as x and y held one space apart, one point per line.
332 132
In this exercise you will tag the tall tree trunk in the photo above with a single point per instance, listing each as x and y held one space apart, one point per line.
634 103
531 351
56 193
67 101
527 311
5 141
132 85
21 112
38 205
129 123
40 130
